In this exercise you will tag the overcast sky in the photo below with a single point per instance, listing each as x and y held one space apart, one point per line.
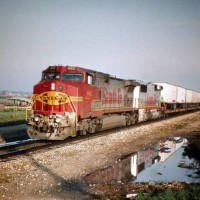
148 40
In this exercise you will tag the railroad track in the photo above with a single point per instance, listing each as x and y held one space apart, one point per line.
16 143
21 147
11 149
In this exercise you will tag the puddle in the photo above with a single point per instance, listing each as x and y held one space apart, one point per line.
174 159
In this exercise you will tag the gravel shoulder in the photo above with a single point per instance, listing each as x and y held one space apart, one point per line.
57 173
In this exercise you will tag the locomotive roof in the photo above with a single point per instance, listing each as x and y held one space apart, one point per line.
89 71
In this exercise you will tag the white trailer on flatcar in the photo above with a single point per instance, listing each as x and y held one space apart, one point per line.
188 96
176 98
168 93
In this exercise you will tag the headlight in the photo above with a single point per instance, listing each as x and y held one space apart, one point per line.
36 119
53 86
58 120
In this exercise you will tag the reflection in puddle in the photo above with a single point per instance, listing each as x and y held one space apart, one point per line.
176 159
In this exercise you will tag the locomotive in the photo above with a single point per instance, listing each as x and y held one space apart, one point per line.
70 101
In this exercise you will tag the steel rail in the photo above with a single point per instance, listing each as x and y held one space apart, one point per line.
17 143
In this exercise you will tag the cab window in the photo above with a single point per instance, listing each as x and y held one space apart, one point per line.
50 76
72 77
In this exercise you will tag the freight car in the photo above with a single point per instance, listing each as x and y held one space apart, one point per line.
71 100
178 99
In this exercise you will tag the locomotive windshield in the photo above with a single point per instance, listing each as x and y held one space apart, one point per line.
50 76
72 77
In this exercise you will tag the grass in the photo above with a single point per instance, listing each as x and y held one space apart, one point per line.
190 192
12 116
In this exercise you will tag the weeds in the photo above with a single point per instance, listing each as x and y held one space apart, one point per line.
190 192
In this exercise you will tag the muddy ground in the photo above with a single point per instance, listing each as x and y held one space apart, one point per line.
58 173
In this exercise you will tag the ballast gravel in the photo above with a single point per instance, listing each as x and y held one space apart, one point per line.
57 173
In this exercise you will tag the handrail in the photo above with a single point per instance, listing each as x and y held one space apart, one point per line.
73 107
29 107
69 100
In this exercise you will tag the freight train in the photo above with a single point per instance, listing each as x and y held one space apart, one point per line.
70 101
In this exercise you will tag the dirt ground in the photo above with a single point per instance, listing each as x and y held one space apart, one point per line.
57 173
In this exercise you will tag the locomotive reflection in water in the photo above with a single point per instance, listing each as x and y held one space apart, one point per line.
160 162
71 100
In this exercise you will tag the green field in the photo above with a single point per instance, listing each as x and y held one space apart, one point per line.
12 116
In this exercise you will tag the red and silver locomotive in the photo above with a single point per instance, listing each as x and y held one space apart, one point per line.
71 100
